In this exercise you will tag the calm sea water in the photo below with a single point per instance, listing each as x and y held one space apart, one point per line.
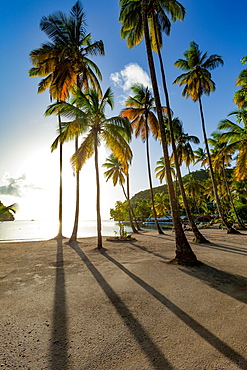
20 230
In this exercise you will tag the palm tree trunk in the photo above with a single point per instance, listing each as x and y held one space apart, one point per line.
73 237
131 208
199 238
230 229
130 214
150 181
98 194
184 253
60 212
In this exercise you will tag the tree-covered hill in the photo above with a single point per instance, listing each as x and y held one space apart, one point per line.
200 175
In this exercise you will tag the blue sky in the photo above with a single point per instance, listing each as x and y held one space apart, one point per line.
28 171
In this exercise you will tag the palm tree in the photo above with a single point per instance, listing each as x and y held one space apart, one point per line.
184 253
197 80
140 111
88 111
240 96
117 171
200 156
236 138
160 169
68 35
45 60
221 159
182 152
157 17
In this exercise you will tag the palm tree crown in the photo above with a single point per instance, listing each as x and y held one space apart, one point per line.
160 14
197 78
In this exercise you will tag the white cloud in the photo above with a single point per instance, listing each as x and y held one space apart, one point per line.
16 186
131 74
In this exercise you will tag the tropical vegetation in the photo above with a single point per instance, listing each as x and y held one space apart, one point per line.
66 67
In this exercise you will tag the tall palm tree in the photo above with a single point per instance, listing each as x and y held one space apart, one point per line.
197 80
117 171
68 34
158 13
141 113
184 253
45 61
182 152
88 110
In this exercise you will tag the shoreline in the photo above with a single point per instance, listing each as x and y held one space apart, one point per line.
126 308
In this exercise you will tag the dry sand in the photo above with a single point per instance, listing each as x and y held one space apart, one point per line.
65 308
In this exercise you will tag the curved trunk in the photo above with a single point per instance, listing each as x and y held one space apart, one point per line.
150 181
98 194
73 237
240 223
230 229
184 253
131 208
199 238
130 214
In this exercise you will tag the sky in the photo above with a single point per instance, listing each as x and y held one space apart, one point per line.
29 172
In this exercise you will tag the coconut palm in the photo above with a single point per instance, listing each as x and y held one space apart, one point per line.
141 113
45 61
160 169
182 152
197 80
184 253
88 110
73 46
117 171
158 13
240 96
200 156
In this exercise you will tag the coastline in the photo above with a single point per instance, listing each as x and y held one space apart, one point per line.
74 308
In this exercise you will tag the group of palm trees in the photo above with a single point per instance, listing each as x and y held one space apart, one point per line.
73 81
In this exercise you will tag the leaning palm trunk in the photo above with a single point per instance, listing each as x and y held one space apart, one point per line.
199 238
150 181
230 229
184 253
73 237
98 194
130 210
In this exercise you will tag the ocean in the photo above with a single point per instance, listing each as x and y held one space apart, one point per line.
21 230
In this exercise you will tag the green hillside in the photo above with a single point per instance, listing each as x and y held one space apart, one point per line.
200 175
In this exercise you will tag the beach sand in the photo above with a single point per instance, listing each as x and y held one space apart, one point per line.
65 308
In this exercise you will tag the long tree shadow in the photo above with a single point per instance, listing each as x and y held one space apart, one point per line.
150 252
199 329
59 339
151 350
233 285
224 248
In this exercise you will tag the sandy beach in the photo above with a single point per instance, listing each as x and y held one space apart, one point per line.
73 308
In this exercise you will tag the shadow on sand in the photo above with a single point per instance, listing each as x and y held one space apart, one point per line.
151 350
59 340
233 285
199 329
